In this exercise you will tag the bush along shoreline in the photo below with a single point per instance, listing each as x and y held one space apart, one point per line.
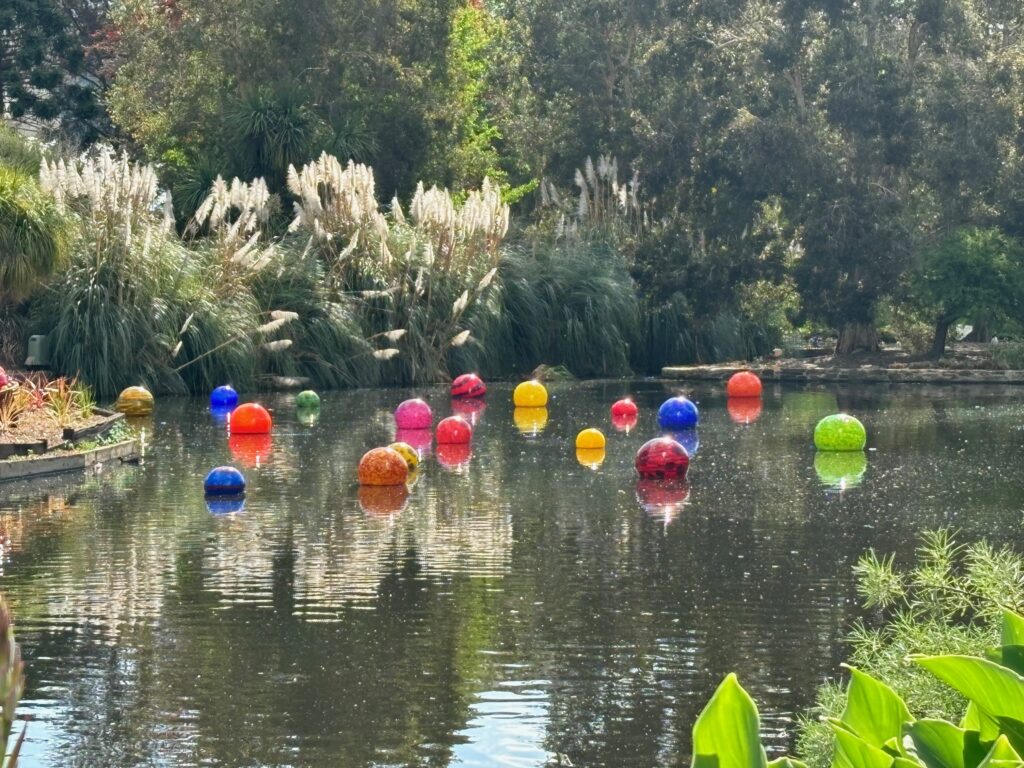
342 291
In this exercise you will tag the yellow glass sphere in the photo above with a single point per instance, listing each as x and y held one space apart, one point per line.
408 453
530 394
530 421
135 401
590 438
591 458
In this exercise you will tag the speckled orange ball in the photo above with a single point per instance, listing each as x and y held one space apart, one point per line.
382 466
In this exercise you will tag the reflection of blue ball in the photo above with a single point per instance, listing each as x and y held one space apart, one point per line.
688 438
220 413
224 481
225 505
678 413
223 397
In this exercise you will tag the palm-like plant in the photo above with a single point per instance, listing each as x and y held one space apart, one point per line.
32 241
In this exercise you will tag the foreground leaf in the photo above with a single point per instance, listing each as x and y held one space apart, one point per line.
873 710
940 744
727 733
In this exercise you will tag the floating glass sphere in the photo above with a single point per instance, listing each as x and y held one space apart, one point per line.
744 384
454 430
225 505
413 414
678 413
744 410
591 458
624 409
590 438
840 432
530 421
530 394
383 500
624 422
407 452
135 401
468 385
224 481
454 456
471 409
250 450
307 400
382 466
420 439
840 470
223 397
250 419
662 458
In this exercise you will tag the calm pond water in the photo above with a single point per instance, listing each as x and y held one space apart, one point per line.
520 610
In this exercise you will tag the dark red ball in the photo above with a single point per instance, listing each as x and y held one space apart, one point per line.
454 431
468 385
663 459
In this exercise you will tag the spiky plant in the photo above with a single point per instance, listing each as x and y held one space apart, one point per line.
32 235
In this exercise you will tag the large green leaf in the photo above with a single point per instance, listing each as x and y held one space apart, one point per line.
1013 628
873 710
940 744
786 762
979 722
727 733
851 751
1002 755
998 691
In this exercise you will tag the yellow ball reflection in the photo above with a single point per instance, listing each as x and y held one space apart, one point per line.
530 421
591 458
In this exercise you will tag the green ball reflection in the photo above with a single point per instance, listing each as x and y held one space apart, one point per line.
841 469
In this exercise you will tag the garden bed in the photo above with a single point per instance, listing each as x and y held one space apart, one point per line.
73 460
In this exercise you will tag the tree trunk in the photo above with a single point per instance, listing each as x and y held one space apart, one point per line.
857 337
939 340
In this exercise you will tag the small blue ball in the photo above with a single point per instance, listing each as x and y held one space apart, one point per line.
223 397
224 481
678 413
225 505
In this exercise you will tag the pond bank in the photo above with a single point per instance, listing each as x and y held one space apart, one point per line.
797 371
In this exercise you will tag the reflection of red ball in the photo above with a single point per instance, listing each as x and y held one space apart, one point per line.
420 439
383 499
413 414
744 410
624 409
453 430
655 495
624 422
743 384
250 450
662 458
471 409
250 419
382 466
468 385
454 455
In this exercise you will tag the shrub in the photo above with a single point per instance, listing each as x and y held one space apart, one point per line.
32 235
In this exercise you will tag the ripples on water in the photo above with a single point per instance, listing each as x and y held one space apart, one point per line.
520 608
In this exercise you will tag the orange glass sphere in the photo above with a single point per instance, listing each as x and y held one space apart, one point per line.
383 499
135 401
250 419
744 384
382 466
744 410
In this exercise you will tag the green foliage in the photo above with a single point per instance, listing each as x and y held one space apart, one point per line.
32 235
17 152
1009 355
727 733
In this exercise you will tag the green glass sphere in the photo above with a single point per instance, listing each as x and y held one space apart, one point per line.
307 400
840 432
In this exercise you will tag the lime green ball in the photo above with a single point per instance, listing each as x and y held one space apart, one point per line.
841 469
840 432
307 399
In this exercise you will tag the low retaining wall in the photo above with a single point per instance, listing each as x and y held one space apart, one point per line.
52 464
866 373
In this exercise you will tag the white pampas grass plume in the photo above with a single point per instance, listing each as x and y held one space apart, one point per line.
177 349
283 314
486 279
460 338
277 346
461 303
395 335
385 354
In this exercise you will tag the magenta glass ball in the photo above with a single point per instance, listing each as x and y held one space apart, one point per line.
413 414
454 431
662 459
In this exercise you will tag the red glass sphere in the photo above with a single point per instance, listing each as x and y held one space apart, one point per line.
454 456
624 409
454 430
383 500
743 384
744 410
250 450
468 385
382 466
250 419
662 459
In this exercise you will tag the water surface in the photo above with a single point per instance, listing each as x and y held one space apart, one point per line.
519 609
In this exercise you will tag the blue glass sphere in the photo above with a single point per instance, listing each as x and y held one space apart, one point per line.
224 481
678 413
223 397
225 505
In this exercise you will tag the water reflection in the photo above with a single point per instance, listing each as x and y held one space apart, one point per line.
530 421
250 450
523 610
840 470
744 410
